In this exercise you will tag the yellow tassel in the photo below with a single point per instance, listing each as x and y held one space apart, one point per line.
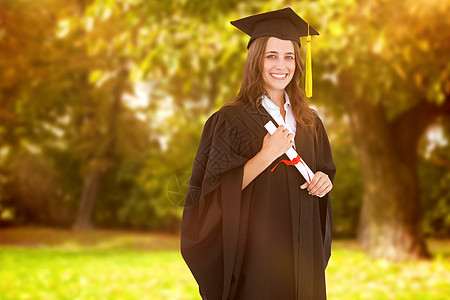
308 80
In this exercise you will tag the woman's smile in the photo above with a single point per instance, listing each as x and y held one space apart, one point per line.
279 76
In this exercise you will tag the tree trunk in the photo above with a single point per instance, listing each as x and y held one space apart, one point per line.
91 186
391 217
99 164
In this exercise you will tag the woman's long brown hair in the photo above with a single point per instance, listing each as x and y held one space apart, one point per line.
252 87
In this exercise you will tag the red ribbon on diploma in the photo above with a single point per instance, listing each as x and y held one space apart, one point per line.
295 161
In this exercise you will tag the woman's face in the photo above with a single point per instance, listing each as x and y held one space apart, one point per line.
279 64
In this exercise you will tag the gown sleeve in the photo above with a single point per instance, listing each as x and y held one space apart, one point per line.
324 163
211 215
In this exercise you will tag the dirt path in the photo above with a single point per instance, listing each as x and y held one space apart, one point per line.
36 237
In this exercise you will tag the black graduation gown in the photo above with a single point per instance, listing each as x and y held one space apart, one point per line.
271 240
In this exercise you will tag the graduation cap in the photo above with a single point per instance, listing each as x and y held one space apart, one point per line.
284 24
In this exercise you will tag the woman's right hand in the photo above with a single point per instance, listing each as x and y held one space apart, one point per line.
276 144
273 147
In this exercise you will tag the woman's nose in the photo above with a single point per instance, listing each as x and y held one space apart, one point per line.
280 64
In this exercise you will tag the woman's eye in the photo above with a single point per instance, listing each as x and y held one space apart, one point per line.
289 57
271 56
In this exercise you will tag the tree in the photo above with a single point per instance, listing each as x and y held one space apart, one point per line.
32 106
105 32
62 86
390 61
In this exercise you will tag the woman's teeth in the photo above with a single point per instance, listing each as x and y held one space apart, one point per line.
279 75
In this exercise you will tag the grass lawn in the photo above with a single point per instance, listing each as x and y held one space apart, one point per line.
47 264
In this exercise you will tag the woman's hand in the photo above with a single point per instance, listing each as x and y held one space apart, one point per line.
273 146
276 144
319 186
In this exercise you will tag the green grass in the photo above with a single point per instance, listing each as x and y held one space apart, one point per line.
93 274
351 275
55 264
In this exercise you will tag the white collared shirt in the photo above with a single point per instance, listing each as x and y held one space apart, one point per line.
275 113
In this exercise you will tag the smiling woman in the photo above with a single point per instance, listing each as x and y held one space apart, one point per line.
249 232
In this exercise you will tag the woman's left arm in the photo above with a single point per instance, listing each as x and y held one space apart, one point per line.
320 184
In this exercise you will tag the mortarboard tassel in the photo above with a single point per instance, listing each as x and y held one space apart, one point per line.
308 80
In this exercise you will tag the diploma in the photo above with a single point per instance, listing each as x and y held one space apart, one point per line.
302 167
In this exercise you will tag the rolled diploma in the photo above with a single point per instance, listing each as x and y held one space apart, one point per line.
291 153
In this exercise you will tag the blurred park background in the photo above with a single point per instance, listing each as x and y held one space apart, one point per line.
102 104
